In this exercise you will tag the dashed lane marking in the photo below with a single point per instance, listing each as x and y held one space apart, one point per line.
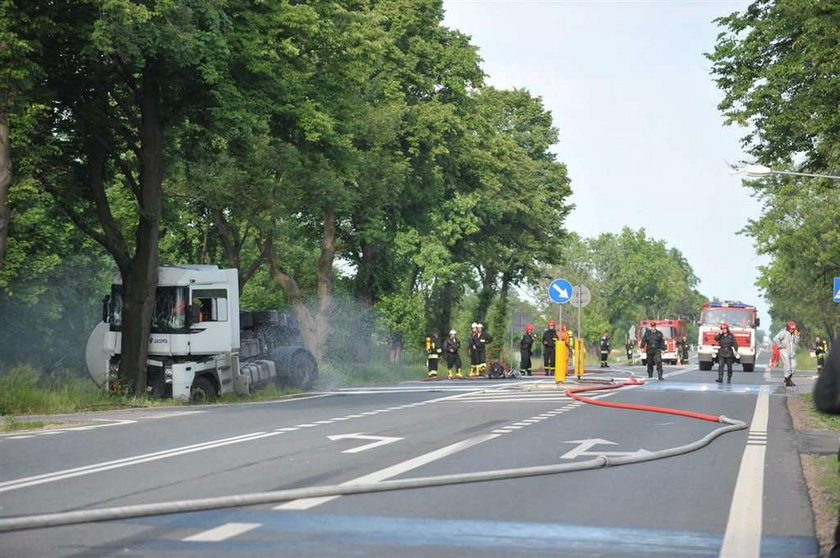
222 532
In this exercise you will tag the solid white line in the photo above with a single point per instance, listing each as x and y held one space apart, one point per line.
743 528
393 471
222 532
126 462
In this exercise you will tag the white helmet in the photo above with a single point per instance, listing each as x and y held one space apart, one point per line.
480 326
474 325
453 332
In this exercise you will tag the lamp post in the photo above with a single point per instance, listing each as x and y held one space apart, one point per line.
759 171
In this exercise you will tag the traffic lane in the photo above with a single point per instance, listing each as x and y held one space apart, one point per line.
434 423
289 456
155 430
477 533
621 495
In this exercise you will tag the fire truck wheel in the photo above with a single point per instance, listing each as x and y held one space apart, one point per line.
202 391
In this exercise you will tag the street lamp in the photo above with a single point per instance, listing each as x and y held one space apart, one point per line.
758 171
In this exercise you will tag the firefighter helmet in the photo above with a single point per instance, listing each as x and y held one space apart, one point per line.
473 325
479 326
791 325
652 324
529 327
552 323
724 325
453 332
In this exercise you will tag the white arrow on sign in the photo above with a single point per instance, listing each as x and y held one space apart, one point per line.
380 441
585 445
561 292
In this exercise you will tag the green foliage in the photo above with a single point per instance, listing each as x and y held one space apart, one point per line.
778 64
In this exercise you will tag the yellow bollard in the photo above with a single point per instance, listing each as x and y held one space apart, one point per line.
579 357
561 357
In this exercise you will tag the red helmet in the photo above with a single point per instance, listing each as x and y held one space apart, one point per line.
529 327
552 323
724 325
791 325
652 323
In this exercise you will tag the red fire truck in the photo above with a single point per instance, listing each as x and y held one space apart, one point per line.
742 320
672 330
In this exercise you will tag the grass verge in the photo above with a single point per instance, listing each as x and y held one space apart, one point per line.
820 471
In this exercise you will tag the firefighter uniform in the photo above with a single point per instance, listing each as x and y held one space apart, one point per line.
604 346
726 352
483 339
788 341
450 354
653 343
526 345
549 339
433 352
820 348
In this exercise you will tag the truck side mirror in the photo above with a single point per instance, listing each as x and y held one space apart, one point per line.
757 322
195 313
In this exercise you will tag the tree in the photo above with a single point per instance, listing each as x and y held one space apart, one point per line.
117 76
778 64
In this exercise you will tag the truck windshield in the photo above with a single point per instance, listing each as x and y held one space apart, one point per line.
734 317
170 314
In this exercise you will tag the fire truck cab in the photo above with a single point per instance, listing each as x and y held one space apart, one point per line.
672 330
742 319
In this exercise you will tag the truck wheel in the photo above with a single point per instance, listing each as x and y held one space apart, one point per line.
749 367
203 391
304 369
705 365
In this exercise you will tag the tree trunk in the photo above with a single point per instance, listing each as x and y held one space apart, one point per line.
500 321
140 277
5 184
315 330
364 325
485 295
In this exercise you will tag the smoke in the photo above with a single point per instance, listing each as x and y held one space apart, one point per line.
46 324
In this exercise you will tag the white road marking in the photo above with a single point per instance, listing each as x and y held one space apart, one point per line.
222 532
393 471
743 528
127 462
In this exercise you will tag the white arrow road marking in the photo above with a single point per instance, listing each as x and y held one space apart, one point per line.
585 445
562 292
380 441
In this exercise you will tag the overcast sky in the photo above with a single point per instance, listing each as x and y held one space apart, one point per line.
631 94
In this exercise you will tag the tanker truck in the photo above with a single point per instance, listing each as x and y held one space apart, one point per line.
201 345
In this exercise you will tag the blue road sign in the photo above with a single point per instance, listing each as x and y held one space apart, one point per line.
837 289
560 291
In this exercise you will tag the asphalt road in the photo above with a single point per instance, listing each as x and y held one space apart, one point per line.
742 495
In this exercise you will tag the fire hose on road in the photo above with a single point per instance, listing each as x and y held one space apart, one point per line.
204 504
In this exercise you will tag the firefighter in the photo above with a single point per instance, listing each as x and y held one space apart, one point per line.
653 343
604 345
727 352
628 347
820 348
549 338
472 345
526 345
684 345
788 341
483 339
450 354
433 352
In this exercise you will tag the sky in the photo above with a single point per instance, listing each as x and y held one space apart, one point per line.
632 96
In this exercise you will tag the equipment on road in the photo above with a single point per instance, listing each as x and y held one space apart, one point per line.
207 347
742 320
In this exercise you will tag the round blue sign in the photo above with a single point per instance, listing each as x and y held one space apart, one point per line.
560 291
